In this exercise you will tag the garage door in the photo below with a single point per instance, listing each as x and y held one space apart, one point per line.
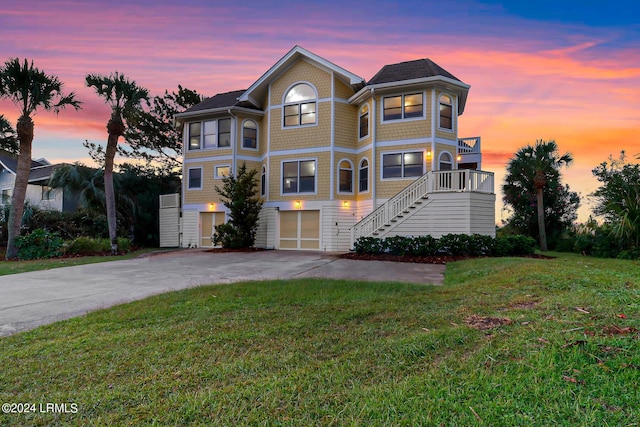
207 221
299 229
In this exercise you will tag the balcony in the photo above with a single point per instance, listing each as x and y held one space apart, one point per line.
469 153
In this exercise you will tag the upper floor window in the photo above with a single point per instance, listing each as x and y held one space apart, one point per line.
250 134
299 176
446 112
402 165
402 107
195 178
345 181
364 121
194 136
210 134
446 161
363 178
48 193
300 106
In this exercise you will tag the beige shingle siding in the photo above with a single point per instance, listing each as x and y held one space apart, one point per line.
445 133
367 194
451 149
308 136
323 162
339 157
346 130
342 90
208 193
301 71
403 129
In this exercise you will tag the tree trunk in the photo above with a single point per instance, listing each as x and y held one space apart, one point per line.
115 127
25 136
541 227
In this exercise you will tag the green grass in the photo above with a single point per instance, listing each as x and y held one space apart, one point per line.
14 267
320 352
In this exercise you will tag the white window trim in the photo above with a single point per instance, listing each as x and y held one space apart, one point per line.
353 174
402 120
285 104
263 176
257 136
215 171
402 178
217 135
360 138
368 175
453 159
315 177
187 142
189 179
453 115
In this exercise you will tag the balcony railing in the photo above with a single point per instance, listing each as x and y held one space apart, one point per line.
469 145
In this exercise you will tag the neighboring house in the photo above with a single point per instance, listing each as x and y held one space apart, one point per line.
338 157
38 191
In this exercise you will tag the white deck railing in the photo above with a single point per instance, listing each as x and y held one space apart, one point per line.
431 182
469 145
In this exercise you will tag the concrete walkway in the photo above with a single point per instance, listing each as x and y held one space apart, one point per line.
31 299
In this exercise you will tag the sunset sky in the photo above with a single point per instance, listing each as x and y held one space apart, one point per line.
563 70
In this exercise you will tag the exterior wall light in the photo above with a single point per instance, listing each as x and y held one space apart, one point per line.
345 203
297 204
212 206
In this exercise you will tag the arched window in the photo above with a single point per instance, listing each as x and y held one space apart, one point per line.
446 112
446 161
364 121
345 177
250 134
300 106
363 176
263 181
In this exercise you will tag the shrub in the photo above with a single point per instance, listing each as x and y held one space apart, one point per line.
369 245
39 244
425 245
450 244
92 246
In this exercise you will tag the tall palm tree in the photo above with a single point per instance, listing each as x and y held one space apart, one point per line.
540 163
124 97
29 89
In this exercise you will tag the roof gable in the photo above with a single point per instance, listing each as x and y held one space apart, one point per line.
258 89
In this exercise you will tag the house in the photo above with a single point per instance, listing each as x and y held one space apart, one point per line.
38 191
338 157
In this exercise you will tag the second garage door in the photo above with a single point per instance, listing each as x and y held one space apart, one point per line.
299 229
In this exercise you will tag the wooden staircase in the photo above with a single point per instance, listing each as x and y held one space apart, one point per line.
416 196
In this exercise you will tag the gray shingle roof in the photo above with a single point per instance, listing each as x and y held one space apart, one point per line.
409 70
221 100
39 170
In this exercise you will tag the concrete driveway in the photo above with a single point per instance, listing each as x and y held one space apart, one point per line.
31 299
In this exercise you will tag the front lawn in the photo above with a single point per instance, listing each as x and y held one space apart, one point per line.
23 266
505 342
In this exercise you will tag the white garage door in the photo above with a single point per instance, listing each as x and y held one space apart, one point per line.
207 222
299 229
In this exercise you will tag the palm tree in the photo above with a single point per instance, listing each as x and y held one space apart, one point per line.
8 137
29 89
124 97
540 163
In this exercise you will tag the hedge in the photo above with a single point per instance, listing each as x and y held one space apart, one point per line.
450 244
